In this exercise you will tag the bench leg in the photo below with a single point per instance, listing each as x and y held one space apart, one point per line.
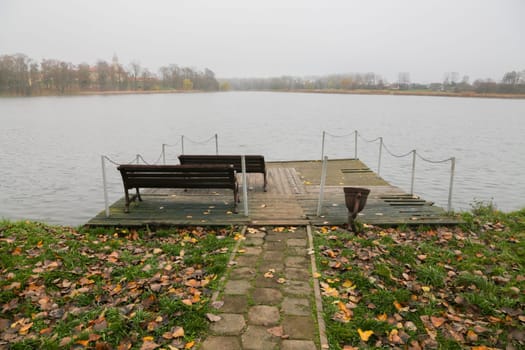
138 195
126 206
265 182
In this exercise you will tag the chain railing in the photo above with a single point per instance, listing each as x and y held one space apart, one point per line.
382 146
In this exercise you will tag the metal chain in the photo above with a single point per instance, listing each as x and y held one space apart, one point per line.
396 155
199 142
346 135
433 161
366 140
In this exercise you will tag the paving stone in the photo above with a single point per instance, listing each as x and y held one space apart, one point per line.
256 234
247 260
274 245
299 327
267 296
296 306
230 324
214 343
292 273
242 272
263 315
273 255
297 261
254 242
237 287
236 304
298 251
298 345
251 250
263 282
296 234
297 288
296 242
274 237
258 338
265 266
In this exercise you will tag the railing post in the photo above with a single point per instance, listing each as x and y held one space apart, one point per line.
413 172
380 153
322 146
216 144
104 183
244 186
137 158
164 153
355 145
452 171
321 188
182 143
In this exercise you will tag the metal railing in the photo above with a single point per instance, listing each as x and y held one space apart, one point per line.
138 159
382 146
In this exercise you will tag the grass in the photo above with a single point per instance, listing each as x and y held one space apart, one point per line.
107 288
444 288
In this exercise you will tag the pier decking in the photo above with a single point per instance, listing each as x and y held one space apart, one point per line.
291 199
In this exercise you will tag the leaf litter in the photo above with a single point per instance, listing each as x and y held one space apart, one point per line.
111 289
423 289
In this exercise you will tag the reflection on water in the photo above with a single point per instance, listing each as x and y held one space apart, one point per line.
51 146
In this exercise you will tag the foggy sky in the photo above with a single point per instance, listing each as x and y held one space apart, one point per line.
248 38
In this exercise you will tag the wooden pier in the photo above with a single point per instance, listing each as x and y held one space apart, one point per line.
291 199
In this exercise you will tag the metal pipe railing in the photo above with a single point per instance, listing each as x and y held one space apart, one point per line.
414 153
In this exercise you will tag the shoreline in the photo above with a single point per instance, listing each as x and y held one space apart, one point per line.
467 94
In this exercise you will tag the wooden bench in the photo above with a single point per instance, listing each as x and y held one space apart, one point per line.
177 176
254 163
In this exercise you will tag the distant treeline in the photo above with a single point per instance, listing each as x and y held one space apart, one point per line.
23 76
511 83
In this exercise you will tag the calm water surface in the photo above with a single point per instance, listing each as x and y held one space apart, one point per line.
50 167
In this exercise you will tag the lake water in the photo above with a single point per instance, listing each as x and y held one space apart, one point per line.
51 147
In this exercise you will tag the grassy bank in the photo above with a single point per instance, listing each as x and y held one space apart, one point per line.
107 289
430 288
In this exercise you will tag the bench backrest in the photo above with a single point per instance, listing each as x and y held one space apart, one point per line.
177 176
254 163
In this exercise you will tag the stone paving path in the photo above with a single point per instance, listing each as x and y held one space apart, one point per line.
268 298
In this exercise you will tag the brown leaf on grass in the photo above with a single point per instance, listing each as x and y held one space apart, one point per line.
437 321
64 341
102 346
149 345
124 345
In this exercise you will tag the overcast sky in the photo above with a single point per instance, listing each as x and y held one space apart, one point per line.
252 38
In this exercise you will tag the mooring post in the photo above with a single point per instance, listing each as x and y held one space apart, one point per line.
244 186
216 144
355 144
137 158
452 171
321 188
182 143
164 153
380 153
413 172
104 183
322 146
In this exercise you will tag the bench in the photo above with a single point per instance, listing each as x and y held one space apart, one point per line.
254 163
177 176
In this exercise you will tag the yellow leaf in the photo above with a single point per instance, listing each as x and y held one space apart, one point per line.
189 345
317 275
382 317
425 289
347 284
364 335
84 343
25 328
148 338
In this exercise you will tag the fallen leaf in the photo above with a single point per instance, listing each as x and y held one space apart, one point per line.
149 345
213 317
276 331
189 345
364 335
437 321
